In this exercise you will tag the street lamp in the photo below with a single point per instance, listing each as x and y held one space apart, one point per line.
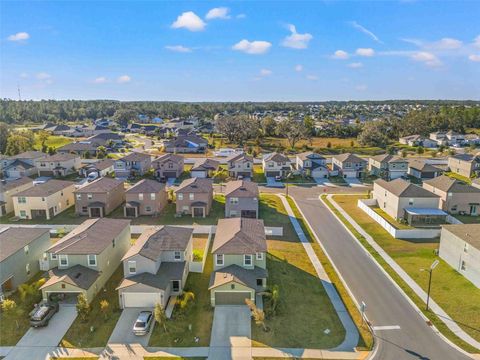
433 266
286 183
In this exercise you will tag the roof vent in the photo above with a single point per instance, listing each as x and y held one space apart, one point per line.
78 275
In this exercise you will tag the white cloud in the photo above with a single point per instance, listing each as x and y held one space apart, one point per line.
178 48
355 65
427 58
365 52
476 41
475 58
298 68
296 40
190 21
124 79
445 44
20 36
100 80
218 13
362 87
241 16
43 76
311 77
365 31
340 54
252 47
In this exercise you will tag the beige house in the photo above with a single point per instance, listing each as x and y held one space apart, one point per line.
100 197
168 166
58 165
464 164
44 201
276 164
204 168
241 199
9 189
239 264
20 165
156 267
83 260
146 197
456 197
240 165
194 197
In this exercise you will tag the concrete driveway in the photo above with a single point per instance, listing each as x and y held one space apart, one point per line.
231 333
354 182
271 182
123 334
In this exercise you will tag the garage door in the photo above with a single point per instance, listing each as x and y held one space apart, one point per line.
272 173
231 298
170 174
198 174
140 299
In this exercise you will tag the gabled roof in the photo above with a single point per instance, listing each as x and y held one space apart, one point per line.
9 185
466 157
402 188
348 157
59 157
90 237
309 155
388 158
239 236
205 164
28 155
195 185
158 239
185 140
77 275
79 146
13 239
18 163
103 164
241 188
470 233
167 272
168 157
447 184
237 274
277 157
104 184
135 156
146 186
239 157
46 189
423 166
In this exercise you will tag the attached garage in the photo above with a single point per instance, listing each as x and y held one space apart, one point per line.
170 174
272 173
135 299
199 174
231 298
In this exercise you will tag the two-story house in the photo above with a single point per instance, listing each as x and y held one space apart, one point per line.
276 164
186 144
466 165
156 267
146 197
84 259
101 168
44 201
100 197
9 189
136 164
58 165
20 165
204 168
349 165
421 170
240 165
168 166
239 264
312 164
388 167
241 199
194 197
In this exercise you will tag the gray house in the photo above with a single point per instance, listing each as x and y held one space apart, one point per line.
20 251
135 163
156 267
240 165
241 199
389 167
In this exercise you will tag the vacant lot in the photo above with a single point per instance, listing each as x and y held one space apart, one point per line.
53 141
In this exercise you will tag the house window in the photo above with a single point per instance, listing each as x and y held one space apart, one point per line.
464 266
53 256
79 196
185 208
247 260
27 269
84 209
176 285
259 256
219 259
233 213
43 199
23 214
180 196
68 202
22 200
259 282
152 196
410 202
113 243
132 267
63 260
148 208
191 196
140 196
454 208
25 249
465 248
89 196
92 260
234 200
177 255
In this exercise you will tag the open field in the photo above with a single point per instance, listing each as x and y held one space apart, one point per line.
53 141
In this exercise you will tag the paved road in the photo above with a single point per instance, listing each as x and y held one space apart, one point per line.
385 305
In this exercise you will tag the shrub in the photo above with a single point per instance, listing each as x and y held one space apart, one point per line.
8 305
197 255
185 299
83 307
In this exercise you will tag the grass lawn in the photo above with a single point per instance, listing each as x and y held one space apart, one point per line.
79 334
65 217
258 175
273 213
391 220
466 219
458 177
53 141
199 315
337 180
456 295
14 325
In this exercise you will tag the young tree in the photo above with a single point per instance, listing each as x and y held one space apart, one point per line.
160 316
420 150
186 298
274 298
101 152
8 305
258 315
83 307
105 308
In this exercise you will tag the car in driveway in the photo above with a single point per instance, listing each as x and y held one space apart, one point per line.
143 323
42 313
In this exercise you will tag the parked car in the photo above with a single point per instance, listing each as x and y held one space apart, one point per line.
143 323
92 176
42 313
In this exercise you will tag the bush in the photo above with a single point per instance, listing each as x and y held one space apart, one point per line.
83 307
185 299
8 305
197 255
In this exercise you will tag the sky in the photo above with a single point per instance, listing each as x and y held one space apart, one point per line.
240 51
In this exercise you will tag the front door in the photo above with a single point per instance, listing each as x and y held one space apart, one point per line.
473 210
95 212
176 286
198 212
39 214
3 210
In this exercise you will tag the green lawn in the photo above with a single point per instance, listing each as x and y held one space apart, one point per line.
53 141
258 175
65 217
79 334
273 213
456 295
390 220
458 177
466 219
337 180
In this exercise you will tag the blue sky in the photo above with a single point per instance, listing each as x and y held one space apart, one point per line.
240 51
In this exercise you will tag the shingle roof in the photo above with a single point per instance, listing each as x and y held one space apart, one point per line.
18 163
59 157
46 189
349 157
9 185
239 236
160 238
309 155
15 238
277 157
91 237
402 188
239 157
78 275
29 155
241 188
205 164
447 184
235 273
466 157
470 233
168 157
388 158
135 156
423 166
167 272
79 146
195 185
146 186
101 185
103 164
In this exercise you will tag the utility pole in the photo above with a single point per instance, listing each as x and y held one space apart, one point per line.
433 266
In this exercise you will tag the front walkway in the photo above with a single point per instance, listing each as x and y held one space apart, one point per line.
351 331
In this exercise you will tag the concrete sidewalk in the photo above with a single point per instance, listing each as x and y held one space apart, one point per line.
434 307
351 331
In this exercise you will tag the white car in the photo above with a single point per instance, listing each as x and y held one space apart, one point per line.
143 323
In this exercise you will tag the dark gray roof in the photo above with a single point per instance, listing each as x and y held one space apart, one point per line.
15 238
101 185
77 275
239 236
402 188
235 273
46 189
466 157
309 155
167 272
195 185
447 184
19 163
277 157
79 146
146 186
241 188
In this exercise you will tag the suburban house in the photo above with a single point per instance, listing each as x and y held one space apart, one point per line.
146 197
439 137
101 168
156 267
100 197
44 201
388 167
312 164
240 165
455 138
9 189
186 144
422 170
276 164
417 140
239 264
241 199
460 248
104 137
194 197
464 164
204 168
168 166
408 202
349 165
136 164
80 148
58 165
21 248
456 197
22 164
84 259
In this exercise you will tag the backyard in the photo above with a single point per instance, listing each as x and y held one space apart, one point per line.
390 220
